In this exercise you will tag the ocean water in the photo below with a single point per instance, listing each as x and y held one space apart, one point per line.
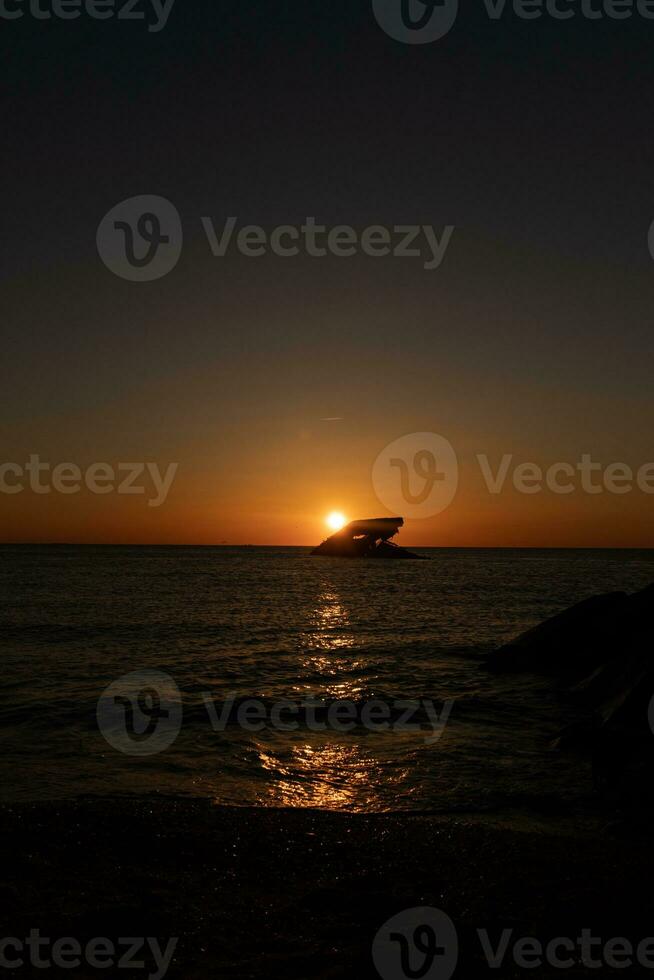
227 624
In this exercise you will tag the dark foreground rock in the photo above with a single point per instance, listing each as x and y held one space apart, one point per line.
591 633
600 653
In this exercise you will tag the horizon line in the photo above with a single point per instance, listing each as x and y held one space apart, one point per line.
431 547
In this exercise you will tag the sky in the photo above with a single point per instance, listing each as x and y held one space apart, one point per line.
532 338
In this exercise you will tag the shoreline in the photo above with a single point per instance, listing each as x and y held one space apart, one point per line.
541 816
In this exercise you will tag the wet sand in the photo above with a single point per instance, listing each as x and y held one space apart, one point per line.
301 893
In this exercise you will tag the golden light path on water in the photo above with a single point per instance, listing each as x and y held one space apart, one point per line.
328 775
331 771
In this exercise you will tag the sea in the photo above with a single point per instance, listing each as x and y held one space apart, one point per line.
266 677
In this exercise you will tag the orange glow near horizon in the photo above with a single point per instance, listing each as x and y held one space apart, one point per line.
276 485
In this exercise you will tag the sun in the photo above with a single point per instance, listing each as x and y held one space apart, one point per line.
336 520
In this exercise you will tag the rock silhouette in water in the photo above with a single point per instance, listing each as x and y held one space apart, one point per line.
599 651
365 539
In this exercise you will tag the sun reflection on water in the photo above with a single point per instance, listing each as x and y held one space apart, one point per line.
323 771
326 654
330 627
326 775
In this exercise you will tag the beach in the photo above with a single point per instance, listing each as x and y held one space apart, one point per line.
265 892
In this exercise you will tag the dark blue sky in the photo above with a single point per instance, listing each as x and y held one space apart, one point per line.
532 138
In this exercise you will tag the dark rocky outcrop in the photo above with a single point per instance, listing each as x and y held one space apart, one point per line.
600 654
594 632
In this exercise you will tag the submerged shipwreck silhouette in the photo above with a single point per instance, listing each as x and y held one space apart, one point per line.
366 539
